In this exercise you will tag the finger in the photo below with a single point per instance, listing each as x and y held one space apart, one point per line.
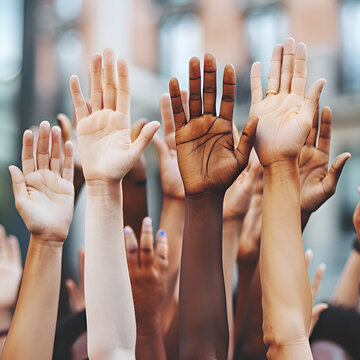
131 248
287 67
161 148
144 138
68 170
27 156
166 114
236 134
273 83
81 264
325 131
195 103
96 83
19 186
316 312
109 95
176 103
315 285
42 151
65 126
209 86
311 139
308 110
228 97
147 244
298 83
123 90
185 99
3 247
80 106
136 129
246 141
309 254
15 249
55 161
76 300
331 179
255 83
161 256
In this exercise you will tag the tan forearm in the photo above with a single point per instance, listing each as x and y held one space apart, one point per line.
34 321
347 290
286 294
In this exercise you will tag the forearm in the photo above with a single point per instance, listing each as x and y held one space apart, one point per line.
203 316
108 297
231 233
135 203
34 321
286 294
347 290
150 345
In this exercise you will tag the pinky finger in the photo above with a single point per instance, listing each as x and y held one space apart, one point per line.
316 283
68 170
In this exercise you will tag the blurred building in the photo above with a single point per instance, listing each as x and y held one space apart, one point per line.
43 42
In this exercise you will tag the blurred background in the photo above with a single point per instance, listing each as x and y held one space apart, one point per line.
43 42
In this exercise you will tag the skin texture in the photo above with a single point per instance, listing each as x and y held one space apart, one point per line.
317 183
107 155
148 274
209 163
44 197
347 291
236 203
10 276
285 120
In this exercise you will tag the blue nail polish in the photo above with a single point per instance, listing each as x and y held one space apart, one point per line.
162 233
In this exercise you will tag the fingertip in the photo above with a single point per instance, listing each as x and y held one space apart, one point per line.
44 125
322 267
109 56
74 81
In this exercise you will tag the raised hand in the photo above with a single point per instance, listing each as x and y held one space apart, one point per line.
171 182
148 274
105 146
317 182
208 158
76 293
44 197
10 275
286 114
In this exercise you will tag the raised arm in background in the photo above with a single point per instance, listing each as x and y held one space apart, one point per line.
107 154
45 201
317 182
285 120
148 267
10 276
236 203
209 163
347 290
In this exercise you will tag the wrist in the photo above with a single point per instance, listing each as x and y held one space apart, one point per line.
103 189
47 241
282 168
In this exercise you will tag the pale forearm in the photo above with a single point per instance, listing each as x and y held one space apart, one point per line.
108 296
285 284
34 321
347 290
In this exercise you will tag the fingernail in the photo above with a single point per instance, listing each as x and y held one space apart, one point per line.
127 230
309 252
162 233
322 266
147 221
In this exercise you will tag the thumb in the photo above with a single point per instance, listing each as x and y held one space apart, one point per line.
144 138
331 179
19 186
136 129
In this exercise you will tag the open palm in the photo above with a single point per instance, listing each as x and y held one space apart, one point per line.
105 146
285 115
43 197
208 160
317 182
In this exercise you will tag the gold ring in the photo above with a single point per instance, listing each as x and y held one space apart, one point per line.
271 92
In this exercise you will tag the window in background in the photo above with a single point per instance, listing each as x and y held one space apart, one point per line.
265 26
181 37
350 36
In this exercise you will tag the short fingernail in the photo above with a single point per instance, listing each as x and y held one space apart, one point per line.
162 233
127 230
147 221
309 252
322 266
